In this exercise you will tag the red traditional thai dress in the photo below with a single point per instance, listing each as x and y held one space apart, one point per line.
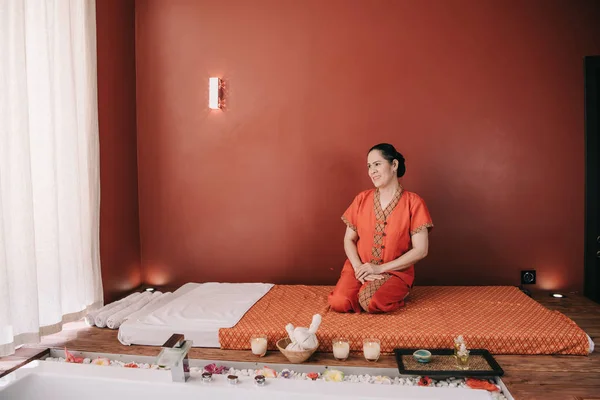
383 236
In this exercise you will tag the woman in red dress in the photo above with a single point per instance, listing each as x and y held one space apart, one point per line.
387 233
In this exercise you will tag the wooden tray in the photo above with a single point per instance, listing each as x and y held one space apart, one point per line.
443 364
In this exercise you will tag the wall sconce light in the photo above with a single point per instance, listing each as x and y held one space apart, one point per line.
150 289
215 92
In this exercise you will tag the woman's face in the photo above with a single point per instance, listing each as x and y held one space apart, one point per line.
381 171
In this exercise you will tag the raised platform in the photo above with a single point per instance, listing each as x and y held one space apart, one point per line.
501 319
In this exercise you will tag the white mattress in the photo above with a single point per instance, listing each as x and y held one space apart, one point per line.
196 310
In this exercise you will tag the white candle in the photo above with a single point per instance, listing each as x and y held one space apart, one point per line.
341 350
259 346
371 351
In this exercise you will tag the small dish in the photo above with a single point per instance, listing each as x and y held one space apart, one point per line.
206 377
260 380
422 356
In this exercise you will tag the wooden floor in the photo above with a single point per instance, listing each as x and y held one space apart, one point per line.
527 377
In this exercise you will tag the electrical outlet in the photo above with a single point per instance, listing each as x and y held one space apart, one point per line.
528 277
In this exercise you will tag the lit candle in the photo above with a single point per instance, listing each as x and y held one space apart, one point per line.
341 349
259 345
371 349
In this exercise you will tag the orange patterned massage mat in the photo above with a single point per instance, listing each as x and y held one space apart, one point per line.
501 319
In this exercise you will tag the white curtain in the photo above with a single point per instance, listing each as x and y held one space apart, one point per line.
49 167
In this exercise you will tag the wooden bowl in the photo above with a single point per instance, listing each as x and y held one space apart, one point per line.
295 357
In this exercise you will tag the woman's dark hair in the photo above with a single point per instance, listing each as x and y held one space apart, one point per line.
390 153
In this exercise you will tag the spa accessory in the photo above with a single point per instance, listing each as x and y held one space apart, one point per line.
115 320
90 318
105 313
371 349
462 357
295 357
232 379
444 363
303 338
258 345
341 349
422 356
175 356
206 377
260 380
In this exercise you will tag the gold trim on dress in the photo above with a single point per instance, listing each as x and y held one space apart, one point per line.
420 228
380 222
349 224
369 290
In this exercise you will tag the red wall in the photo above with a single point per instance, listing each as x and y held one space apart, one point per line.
119 214
484 98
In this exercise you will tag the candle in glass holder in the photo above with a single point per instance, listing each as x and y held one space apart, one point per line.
258 344
463 361
371 349
341 348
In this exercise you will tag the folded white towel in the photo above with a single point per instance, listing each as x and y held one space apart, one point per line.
103 316
116 319
154 304
90 318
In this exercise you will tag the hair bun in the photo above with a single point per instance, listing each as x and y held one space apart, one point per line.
401 165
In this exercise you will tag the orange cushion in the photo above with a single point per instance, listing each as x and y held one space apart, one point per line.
500 319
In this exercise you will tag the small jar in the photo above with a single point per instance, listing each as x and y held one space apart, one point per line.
232 379
206 377
260 380
463 361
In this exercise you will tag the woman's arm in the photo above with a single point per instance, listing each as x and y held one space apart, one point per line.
350 248
420 243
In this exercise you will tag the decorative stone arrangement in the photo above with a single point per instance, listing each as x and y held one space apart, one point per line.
330 375
103 361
